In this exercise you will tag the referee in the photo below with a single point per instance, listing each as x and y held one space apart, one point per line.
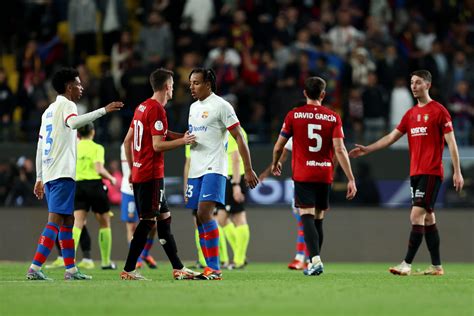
91 193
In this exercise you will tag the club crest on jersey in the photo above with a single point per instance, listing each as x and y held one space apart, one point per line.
426 117
205 114
159 125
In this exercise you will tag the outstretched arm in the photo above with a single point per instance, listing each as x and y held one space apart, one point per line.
458 180
159 144
77 121
250 176
383 142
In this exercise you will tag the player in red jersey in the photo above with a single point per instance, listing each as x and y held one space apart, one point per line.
144 145
427 125
317 135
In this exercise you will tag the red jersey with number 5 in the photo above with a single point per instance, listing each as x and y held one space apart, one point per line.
425 127
149 120
313 129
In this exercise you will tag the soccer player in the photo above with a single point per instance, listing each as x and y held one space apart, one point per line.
56 170
91 192
210 120
144 145
129 215
298 263
231 217
427 125
317 135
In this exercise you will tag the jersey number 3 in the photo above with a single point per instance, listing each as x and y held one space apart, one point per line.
312 128
137 135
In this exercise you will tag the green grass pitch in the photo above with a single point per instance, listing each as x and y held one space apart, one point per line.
260 289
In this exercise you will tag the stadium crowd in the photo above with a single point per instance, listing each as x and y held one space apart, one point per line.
261 51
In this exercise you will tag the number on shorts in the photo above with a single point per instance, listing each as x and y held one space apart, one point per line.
189 190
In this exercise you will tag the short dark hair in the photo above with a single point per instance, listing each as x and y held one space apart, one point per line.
423 73
86 130
208 75
159 77
62 78
314 86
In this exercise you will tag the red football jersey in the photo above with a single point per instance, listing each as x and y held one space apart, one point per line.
313 129
425 127
149 120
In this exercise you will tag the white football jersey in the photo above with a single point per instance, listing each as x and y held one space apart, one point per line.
58 141
209 120
289 144
125 187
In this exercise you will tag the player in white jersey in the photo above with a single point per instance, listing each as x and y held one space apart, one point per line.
56 170
211 119
129 214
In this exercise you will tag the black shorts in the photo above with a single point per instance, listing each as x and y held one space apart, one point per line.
424 191
231 205
150 198
91 194
312 194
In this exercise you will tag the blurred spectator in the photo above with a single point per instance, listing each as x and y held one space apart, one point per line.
114 20
343 35
361 67
82 18
6 106
21 192
390 67
199 14
241 33
461 106
156 41
121 57
354 115
401 101
375 100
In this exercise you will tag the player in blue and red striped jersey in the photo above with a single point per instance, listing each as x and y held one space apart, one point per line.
56 170
427 125
317 136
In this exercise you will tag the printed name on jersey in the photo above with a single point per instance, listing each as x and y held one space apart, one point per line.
419 131
317 116
312 163
142 108
159 125
201 128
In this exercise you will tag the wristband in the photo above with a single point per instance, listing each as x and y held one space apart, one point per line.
235 184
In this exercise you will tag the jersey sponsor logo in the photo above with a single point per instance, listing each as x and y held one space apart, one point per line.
137 164
142 108
318 116
419 131
312 163
419 194
49 114
201 128
159 125
48 161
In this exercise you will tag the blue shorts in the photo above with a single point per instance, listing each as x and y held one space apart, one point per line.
60 195
209 187
129 209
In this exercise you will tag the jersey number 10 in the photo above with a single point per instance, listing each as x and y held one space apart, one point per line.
137 135
312 128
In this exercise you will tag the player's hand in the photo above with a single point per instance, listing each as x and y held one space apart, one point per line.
251 179
360 150
113 180
237 194
458 181
189 139
38 190
114 106
351 190
276 169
